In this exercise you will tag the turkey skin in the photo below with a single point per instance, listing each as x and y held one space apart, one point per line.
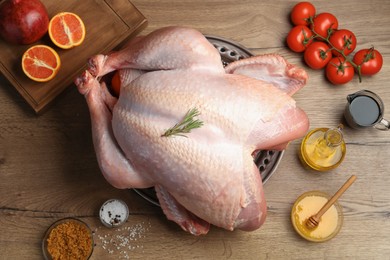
206 175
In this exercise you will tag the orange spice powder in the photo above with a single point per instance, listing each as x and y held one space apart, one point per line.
69 240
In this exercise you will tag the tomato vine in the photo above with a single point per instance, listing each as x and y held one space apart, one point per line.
311 28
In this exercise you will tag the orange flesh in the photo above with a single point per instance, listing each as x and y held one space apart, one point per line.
40 63
66 30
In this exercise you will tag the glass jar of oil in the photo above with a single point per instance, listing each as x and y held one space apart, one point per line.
323 149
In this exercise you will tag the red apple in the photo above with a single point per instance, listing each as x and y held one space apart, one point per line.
23 21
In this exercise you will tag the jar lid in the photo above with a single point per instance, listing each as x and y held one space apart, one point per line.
113 213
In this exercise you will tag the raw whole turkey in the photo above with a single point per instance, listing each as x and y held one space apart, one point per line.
206 175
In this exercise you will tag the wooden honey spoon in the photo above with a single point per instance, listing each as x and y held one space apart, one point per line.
314 220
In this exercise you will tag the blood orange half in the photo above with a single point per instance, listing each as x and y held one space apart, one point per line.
40 63
66 30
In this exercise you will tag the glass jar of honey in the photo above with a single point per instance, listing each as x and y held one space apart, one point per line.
307 205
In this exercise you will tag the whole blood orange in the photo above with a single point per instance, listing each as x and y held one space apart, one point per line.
66 30
40 63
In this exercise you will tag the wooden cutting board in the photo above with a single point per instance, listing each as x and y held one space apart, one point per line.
109 23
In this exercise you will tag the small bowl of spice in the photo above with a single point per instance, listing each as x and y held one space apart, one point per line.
113 213
68 238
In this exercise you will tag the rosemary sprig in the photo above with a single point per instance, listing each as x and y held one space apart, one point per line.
186 125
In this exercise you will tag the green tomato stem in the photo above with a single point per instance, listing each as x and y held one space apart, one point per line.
346 58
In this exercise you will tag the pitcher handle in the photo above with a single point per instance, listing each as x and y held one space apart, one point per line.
383 125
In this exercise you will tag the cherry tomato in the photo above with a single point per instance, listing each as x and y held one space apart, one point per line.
369 60
339 71
324 23
299 38
116 84
317 55
344 41
302 12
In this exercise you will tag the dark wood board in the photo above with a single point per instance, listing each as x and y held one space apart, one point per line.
108 24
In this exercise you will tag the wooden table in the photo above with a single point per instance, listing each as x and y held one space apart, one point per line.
48 168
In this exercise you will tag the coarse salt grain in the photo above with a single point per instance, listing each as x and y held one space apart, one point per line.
113 213
123 240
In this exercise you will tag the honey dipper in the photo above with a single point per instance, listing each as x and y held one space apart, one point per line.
314 220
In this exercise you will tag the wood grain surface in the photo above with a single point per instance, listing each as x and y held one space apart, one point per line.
48 168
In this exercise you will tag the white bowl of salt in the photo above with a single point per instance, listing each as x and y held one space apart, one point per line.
113 213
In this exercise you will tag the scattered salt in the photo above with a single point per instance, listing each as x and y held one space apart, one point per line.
123 240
